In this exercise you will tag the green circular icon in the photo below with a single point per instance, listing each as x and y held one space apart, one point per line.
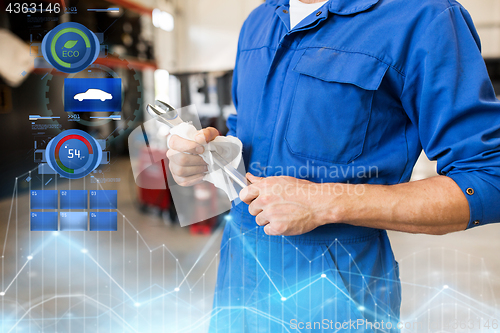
70 47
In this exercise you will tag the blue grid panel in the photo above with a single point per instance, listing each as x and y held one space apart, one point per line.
103 221
73 199
43 199
74 221
43 221
104 199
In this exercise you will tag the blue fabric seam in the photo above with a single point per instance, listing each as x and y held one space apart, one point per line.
273 134
309 241
347 50
324 78
407 153
259 48
275 239
400 72
355 10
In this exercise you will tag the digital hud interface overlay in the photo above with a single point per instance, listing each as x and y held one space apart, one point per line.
78 251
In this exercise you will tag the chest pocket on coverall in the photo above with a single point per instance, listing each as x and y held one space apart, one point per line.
332 104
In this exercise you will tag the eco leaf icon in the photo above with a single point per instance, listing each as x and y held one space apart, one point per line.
70 44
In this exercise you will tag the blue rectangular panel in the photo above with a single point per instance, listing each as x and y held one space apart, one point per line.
43 221
73 199
43 199
93 95
103 199
103 221
73 221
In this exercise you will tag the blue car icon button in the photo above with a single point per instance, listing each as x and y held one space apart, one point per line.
93 94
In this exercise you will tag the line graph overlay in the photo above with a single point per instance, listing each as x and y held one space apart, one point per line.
116 281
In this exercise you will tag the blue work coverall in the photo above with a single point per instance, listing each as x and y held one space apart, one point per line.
351 94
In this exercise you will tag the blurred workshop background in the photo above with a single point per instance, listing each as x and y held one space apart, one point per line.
183 51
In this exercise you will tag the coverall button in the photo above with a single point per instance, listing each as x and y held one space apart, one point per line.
285 11
476 222
319 13
470 191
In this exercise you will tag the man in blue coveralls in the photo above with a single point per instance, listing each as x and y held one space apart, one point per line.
333 109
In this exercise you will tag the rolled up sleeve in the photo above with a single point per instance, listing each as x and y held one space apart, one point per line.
448 95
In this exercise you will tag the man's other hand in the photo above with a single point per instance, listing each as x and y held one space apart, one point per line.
285 205
187 167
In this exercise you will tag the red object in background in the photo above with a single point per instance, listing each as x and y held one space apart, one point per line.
206 198
154 175
203 228
155 198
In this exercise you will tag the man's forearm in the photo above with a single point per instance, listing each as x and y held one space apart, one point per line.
432 206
